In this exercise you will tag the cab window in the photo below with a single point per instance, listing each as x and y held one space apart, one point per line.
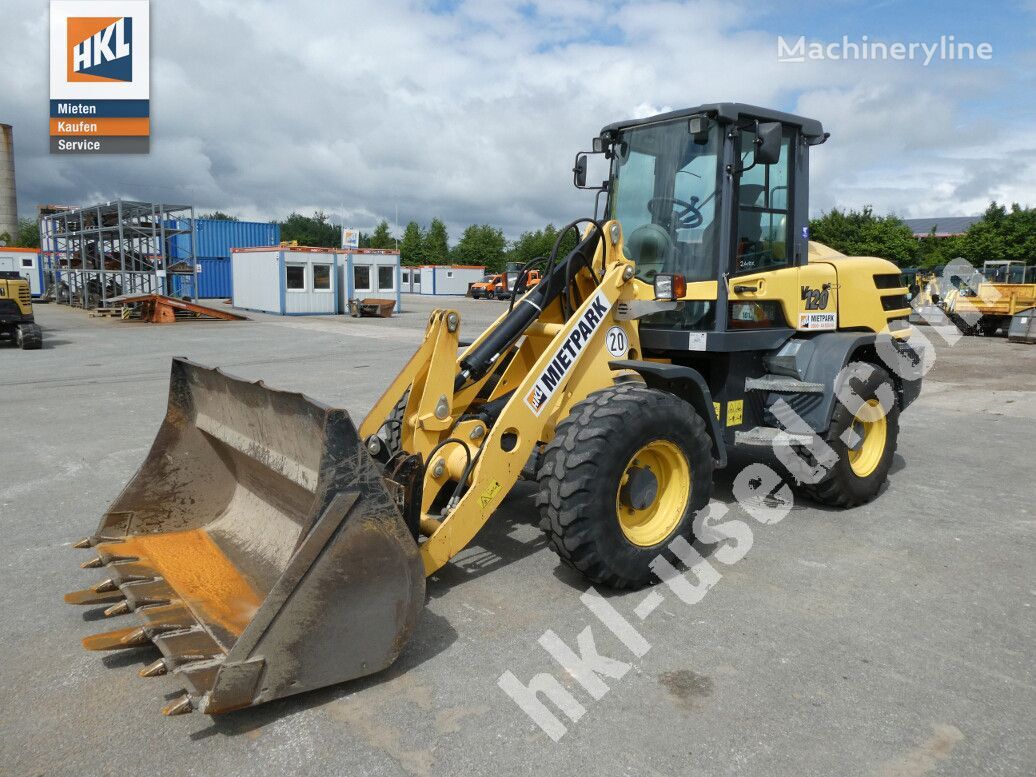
763 218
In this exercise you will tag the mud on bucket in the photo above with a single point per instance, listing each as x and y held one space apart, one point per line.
257 547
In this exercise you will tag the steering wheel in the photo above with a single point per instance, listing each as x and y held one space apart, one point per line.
688 215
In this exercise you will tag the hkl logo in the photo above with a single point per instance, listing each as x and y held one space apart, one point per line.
536 398
99 49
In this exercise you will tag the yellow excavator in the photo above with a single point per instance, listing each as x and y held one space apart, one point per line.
267 546
17 322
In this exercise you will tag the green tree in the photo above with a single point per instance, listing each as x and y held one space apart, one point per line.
1001 234
481 244
218 215
540 243
28 234
381 237
861 233
315 230
436 243
937 251
412 244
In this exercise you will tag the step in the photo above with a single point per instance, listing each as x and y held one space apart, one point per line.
764 436
783 385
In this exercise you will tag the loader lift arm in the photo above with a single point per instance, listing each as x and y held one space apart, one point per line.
461 487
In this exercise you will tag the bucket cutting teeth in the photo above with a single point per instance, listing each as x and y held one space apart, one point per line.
156 669
118 609
92 596
93 563
131 636
179 706
86 542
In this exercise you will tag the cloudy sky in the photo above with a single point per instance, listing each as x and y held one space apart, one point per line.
472 111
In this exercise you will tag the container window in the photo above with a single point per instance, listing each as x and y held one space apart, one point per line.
26 261
361 277
386 278
449 273
322 277
295 277
406 276
417 276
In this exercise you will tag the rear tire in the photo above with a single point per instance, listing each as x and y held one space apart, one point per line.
29 337
860 472
597 459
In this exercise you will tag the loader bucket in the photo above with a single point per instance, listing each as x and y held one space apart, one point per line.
257 547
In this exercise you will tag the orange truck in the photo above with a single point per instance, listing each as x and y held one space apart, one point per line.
485 288
504 288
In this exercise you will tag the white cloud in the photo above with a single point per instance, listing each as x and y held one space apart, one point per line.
474 115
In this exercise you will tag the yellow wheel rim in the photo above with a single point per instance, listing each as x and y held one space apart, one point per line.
653 493
871 428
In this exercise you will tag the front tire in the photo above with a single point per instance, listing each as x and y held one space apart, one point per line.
625 474
865 454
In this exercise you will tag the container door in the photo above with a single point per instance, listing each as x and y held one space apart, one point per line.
415 282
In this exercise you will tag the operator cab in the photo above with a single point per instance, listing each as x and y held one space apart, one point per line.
708 194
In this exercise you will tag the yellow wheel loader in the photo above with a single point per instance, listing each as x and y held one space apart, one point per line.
17 322
267 546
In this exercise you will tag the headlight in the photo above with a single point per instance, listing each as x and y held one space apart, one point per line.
670 287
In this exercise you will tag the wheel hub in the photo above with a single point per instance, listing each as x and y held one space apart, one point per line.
870 433
641 489
653 493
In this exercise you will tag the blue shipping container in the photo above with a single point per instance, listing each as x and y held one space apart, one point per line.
213 280
215 238
213 241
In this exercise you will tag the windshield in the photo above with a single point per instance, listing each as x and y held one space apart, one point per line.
664 193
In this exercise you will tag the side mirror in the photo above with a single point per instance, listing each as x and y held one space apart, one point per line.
579 171
768 142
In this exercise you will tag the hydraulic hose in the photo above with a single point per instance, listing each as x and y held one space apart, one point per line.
555 282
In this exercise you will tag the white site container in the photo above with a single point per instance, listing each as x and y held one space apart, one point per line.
447 279
295 281
26 262
369 272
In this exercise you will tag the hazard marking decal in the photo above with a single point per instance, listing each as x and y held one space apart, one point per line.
487 496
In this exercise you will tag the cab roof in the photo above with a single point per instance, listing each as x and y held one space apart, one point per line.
725 113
